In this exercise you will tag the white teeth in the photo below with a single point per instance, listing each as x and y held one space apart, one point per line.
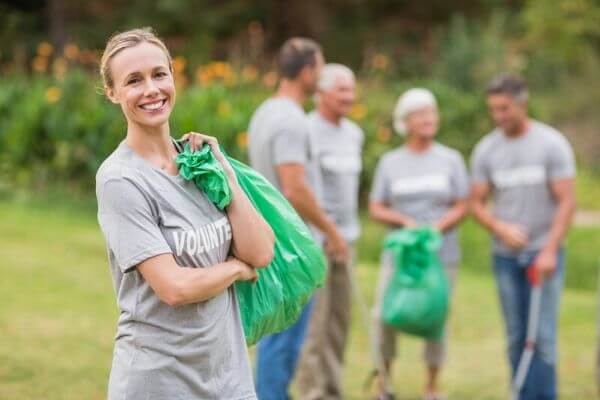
153 106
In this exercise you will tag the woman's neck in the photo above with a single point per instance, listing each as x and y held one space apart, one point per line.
417 144
153 143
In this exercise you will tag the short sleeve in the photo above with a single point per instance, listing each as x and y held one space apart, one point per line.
479 169
561 161
129 227
460 178
291 145
380 191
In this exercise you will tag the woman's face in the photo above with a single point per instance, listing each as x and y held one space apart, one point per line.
423 123
143 85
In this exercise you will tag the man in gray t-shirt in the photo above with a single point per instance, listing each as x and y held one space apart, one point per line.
193 351
338 142
281 149
528 168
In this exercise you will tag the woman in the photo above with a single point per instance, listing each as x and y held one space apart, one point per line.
422 182
179 331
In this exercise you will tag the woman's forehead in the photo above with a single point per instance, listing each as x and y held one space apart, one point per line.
139 58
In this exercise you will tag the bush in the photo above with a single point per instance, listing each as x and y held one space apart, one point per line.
60 131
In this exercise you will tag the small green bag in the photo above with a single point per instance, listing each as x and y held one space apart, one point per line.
298 268
416 299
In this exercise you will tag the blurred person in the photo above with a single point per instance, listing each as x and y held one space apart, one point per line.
420 183
281 148
528 169
338 142
179 332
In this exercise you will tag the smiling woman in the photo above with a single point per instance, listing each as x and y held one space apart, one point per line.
179 334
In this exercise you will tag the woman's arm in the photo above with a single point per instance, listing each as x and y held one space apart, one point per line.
177 286
453 216
253 239
382 213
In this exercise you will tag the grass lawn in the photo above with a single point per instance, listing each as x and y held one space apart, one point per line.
58 315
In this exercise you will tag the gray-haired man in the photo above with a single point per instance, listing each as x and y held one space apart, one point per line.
338 143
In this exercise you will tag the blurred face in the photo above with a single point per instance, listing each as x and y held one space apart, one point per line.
143 85
309 76
423 123
339 99
508 114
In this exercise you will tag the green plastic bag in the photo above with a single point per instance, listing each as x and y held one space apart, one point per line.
276 300
416 299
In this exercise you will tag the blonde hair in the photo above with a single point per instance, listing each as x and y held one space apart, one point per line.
125 40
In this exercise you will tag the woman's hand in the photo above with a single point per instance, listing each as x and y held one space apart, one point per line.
198 140
246 272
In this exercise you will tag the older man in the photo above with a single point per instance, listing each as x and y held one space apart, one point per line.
338 143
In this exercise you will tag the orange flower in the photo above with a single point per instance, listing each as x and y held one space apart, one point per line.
242 140
249 73
40 64
60 68
71 52
380 61
45 49
53 94
384 134
179 64
358 112
270 79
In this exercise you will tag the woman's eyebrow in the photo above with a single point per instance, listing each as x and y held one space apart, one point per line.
130 75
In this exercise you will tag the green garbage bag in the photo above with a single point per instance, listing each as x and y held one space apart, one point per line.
276 300
416 298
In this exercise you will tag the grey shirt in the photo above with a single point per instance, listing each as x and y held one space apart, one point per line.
424 187
338 152
194 351
279 134
519 171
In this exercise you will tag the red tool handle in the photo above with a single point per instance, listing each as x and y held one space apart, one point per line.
534 276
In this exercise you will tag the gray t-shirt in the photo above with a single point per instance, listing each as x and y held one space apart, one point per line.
195 351
338 151
424 187
519 171
279 134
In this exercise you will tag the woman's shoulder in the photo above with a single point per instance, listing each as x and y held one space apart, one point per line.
447 152
119 166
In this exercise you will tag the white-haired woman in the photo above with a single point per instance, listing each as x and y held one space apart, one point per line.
421 182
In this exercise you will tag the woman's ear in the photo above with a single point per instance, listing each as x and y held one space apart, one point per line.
110 93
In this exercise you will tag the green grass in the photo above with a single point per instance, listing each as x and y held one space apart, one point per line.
58 314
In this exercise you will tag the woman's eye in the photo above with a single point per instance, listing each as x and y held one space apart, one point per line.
161 74
133 80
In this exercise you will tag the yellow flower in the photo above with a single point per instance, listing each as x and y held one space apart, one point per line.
179 64
40 64
223 109
242 140
71 52
53 94
384 134
358 112
380 61
249 73
270 79
45 49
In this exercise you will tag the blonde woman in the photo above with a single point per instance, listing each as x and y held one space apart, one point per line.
179 334
421 182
